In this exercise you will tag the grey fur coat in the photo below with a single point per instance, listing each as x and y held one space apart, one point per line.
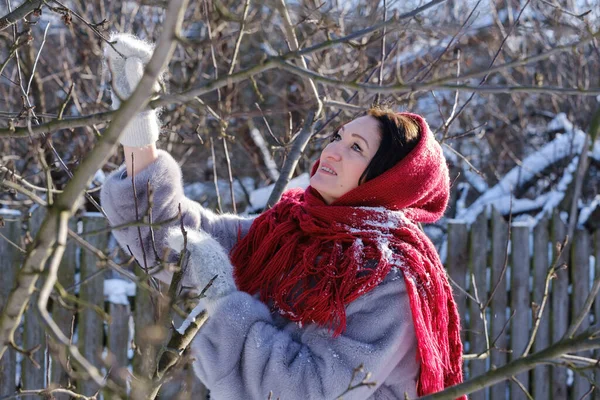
245 351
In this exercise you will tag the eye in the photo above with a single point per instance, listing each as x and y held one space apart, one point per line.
334 137
356 147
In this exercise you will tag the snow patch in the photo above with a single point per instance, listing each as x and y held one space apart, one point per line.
116 291
259 197
586 211
191 317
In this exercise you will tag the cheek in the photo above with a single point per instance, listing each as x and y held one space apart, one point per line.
352 178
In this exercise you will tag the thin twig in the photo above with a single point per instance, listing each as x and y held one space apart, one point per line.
150 191
485 77
292 160
520 385
382 63
239 38
584 312
505 265
91 26
37 58
229 173
292 41
16 246
137 215
215 177
579 16
549 276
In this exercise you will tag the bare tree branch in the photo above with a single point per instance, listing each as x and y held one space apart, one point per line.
292 160
67 201
585 341
19 13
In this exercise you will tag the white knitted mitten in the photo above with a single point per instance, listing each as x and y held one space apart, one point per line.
207 259
126 74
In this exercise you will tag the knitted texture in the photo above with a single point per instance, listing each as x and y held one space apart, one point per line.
126 73
310 260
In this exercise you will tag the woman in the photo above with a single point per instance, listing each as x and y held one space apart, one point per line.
330 278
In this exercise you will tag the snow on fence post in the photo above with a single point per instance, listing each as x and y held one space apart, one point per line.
33 327
541 263
597 302
519 302
457 264
499 300
580 278
560 307
478 265
62 315
91 291
9 264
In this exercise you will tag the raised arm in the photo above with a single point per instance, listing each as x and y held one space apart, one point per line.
138 158
151 169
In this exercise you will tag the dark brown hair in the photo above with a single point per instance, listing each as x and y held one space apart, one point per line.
399 135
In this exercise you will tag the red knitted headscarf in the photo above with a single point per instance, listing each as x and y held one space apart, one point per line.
310 259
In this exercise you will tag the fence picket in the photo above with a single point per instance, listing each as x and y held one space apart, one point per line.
580 278
478 265
457 265
541 374
500 300
91 291
597 307
63 316
560 307
9 265
519 303
144 322
118 341
33 328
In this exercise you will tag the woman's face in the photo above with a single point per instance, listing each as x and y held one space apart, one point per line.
346 157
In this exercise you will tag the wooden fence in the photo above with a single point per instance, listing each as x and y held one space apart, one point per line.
100 329
476 257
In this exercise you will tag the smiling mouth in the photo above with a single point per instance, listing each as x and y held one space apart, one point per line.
328 170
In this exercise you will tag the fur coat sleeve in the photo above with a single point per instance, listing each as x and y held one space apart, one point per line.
245 351
165 180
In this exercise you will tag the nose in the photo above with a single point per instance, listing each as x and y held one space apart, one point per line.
331 152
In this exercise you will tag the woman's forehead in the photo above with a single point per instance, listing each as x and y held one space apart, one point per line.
364 123
366 126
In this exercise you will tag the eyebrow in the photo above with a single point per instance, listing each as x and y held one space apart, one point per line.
358 136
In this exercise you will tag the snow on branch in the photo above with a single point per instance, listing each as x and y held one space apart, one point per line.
562 147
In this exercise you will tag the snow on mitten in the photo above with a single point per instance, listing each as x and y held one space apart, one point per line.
126 73
207 259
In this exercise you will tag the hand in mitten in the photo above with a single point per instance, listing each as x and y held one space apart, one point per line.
127 69
207 259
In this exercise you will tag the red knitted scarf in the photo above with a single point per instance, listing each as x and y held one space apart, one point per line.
310 259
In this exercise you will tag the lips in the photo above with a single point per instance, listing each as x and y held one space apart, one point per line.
328 169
